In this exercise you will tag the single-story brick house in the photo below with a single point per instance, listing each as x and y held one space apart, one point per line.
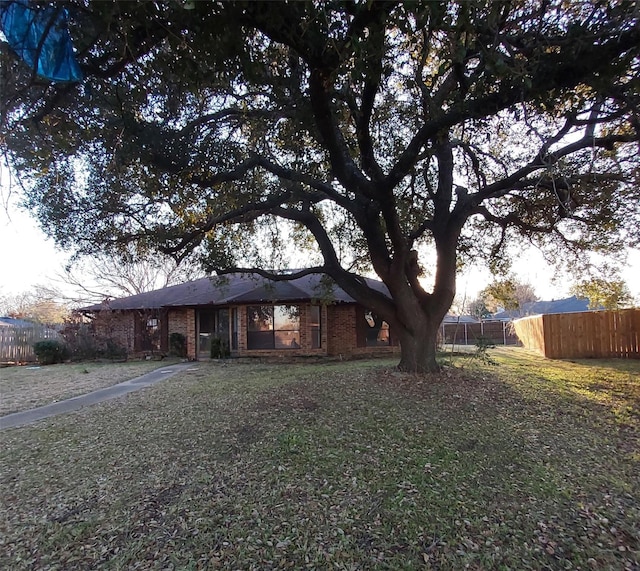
250 315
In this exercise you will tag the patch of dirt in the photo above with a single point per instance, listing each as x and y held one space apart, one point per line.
291 398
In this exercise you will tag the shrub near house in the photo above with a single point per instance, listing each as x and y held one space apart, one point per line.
51 351
92 340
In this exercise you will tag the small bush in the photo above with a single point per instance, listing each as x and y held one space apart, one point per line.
114 351
219 348
50 351
84 343
178 345
483 344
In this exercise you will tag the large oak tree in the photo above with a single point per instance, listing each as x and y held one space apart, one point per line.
369 132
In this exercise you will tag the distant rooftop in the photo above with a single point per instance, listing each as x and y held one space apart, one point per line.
450 318
568 305
13 322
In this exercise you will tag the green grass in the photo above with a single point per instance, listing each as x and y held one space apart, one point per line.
528 464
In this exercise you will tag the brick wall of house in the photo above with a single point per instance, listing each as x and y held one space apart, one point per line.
305 333
177 321
183 321
338 332
341 329
305 336
325 329
342 337
242 330
338 335
117 326
192 341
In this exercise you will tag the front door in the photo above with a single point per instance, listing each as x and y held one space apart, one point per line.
213 330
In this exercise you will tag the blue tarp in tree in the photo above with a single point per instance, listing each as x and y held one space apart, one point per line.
39 35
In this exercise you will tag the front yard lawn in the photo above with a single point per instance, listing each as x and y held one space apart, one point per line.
528 464
29 386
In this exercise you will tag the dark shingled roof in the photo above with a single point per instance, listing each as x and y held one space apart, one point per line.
237 288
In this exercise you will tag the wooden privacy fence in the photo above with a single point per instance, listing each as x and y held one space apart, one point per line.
465 333
591 334
16 343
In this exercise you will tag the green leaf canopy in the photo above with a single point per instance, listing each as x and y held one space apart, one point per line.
365 133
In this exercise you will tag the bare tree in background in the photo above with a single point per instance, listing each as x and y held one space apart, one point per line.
40 305
96 278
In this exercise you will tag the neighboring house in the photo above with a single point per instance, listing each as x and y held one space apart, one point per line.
568 305
250 315
13 322
456 319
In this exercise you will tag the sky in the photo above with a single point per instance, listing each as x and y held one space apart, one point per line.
29 258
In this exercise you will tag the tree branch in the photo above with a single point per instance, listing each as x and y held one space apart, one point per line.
272 275
543 161
354 285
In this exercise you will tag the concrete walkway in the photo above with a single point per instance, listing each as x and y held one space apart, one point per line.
76 403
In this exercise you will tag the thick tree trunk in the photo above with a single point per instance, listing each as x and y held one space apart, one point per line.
418 349
420 319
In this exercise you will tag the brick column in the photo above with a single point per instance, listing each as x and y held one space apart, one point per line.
192 342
